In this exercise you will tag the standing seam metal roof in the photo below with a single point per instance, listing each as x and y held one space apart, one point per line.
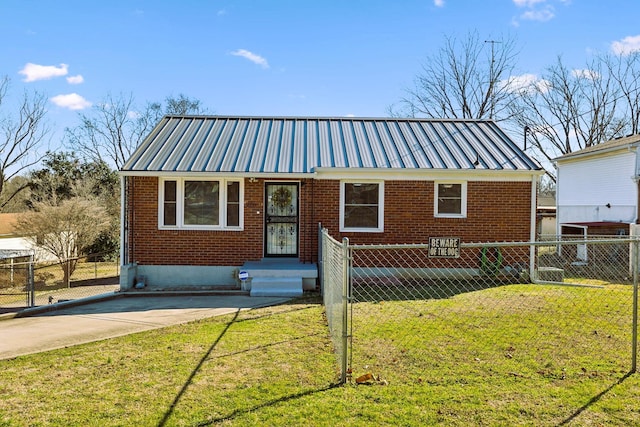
301 144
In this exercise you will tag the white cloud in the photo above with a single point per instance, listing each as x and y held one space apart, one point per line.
536 10
221 12
527 3
438 3
256 59
34 72
526 83
626 46
585 74
72 101
540 15
75 80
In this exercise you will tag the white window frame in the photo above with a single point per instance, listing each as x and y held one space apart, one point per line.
463 201
222 212
380 227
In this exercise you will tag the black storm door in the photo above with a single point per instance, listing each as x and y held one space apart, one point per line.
281 219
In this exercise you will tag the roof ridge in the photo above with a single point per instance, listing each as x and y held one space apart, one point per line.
277 117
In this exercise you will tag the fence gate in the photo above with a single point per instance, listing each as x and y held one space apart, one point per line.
16 284
25 283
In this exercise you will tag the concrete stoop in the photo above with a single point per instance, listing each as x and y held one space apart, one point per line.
279 278
276 287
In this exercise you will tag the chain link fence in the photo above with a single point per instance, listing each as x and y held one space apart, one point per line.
25 283
333 269
15 271
521 308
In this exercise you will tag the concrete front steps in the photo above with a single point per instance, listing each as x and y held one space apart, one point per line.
279 277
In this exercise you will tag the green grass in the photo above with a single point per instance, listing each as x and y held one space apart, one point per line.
514 355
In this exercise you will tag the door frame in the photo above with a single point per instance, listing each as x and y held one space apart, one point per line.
265 223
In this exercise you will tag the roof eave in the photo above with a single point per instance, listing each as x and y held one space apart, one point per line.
220 174
337 173
595 153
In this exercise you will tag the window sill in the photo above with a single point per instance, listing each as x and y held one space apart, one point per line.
450 216
203 228
361 230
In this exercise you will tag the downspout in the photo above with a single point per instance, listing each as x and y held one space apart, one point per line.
123 222
532 228
313 212
558 229
636 180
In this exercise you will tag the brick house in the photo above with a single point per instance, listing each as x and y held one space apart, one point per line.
205 197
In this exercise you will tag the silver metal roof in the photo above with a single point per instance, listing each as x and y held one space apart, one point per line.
300 145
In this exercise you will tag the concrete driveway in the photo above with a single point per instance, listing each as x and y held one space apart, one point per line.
103 318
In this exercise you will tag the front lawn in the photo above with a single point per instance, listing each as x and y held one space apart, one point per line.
276 366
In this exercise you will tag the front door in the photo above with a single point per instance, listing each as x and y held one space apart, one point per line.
281 219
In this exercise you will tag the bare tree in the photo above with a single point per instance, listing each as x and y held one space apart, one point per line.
115 127
17 192
22 135
182 104
464 79
64 230
625 70
111 132
568 109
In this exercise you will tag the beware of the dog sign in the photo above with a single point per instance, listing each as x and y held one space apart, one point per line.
444 247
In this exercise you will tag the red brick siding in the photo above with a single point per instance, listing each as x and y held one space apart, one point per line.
496 211
152 246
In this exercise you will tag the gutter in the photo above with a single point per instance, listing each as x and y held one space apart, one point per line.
330 172
295 175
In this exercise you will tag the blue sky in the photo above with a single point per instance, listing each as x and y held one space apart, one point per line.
291 58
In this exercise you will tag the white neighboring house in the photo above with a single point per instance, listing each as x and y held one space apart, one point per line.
14 247
597 189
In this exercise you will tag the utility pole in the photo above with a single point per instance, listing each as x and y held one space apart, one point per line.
491 89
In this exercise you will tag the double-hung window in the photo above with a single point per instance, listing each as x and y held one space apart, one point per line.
450 199
200 204
362 206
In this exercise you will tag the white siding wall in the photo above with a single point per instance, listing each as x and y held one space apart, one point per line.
22 244
585 187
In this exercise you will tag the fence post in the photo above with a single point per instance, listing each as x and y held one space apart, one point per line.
634 333
320 267
67 267
32 283
345 306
